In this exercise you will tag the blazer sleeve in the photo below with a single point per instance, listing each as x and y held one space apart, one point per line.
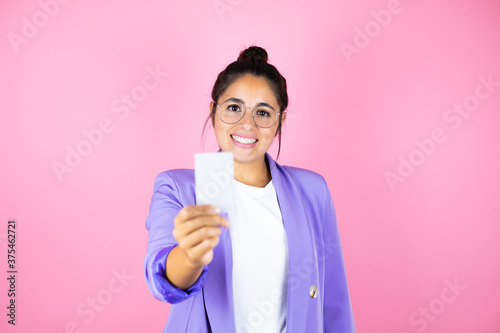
165 204
337 315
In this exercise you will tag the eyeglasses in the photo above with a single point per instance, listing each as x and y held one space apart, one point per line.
263 115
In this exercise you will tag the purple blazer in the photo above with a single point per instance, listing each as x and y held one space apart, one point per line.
315 258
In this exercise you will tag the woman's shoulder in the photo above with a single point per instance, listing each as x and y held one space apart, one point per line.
174 176
305 178
312 187
303 174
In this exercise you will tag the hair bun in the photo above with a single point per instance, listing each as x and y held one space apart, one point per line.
253 54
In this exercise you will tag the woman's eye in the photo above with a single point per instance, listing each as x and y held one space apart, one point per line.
234 108
263 113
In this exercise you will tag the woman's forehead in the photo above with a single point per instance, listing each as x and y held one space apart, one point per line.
250 89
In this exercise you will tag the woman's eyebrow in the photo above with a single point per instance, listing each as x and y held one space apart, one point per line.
240 101
236 100
265 104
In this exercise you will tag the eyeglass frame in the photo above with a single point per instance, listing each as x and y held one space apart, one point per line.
240 102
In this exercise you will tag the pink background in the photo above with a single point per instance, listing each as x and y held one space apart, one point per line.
353 116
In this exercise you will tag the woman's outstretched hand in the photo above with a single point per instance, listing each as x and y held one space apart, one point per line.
197 230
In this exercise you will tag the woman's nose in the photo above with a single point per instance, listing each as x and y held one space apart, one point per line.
247 119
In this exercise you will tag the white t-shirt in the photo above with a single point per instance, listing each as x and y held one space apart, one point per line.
260 260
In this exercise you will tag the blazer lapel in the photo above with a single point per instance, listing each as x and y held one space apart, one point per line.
301 249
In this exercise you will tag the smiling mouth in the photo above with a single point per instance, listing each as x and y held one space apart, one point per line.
243 140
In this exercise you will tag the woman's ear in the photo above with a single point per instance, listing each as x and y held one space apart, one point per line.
283 116
212 116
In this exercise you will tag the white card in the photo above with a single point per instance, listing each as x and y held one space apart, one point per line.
213 175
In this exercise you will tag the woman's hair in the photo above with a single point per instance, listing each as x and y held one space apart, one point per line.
252 61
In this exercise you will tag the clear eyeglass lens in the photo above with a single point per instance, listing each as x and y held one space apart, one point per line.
231 112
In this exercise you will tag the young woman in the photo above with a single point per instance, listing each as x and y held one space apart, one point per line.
276 264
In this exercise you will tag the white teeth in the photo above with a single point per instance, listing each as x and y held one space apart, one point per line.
243 140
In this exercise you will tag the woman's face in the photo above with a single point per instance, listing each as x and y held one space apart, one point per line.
245 139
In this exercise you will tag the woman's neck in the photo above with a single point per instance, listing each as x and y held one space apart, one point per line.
253 173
